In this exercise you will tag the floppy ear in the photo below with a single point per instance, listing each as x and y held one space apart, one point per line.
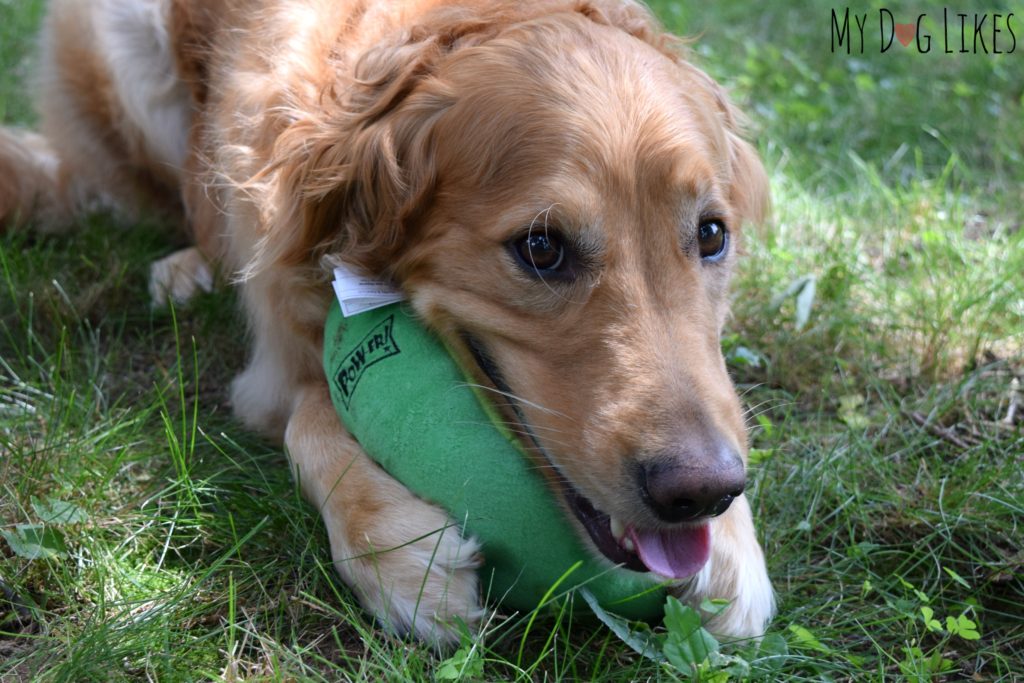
635 19
349 174
749 191
353 172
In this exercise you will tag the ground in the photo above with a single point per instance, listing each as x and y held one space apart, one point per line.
878 328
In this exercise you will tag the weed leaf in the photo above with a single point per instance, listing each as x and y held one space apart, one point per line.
35 541
956 577
918 666
804 302
771 655
850 411
687 644
714 606
641 641
728 667
804 289
745 356
963 627
803 638
929 621
55 511
464 663
792 289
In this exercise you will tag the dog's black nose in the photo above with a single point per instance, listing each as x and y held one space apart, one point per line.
686 485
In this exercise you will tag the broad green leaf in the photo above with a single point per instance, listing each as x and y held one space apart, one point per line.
688 654
932 624
707 674
938 664
851 413
792 289
687 644
643 642
804 638
771 655
464 663
734 666
862 549
804 302
679 618
956 577
773 645
54 511
35 541
714 606
915 663
804 289
742 355
758 455
963 627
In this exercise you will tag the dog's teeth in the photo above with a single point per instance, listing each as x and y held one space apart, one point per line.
627 544
618 528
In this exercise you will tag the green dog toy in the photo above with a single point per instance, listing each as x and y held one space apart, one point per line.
403 397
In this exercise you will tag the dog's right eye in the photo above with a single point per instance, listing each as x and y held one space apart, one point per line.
713 238
541 253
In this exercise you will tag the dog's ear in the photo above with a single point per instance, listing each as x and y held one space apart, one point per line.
636 20
352 174
348 174
749 190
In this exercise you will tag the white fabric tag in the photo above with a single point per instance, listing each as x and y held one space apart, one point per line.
358 293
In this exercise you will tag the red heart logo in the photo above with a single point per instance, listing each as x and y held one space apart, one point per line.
905 33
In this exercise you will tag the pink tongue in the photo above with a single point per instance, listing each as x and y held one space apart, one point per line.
675 553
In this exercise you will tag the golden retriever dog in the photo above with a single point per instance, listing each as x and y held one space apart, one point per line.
558 192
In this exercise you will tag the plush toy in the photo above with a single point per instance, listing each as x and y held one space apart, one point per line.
403 397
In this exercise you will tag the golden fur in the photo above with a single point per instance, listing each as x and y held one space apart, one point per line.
413 139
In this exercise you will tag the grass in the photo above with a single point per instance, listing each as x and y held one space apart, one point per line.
172 545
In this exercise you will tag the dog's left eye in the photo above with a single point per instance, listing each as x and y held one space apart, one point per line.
541 252
713 238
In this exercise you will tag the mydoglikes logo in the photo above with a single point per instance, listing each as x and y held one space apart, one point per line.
951 32
378 344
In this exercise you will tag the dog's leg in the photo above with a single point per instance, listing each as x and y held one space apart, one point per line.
29 181
406 560
179 277
114 118
736 572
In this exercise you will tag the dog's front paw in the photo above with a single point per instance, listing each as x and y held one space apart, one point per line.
751 603
414 570
179 277
735 572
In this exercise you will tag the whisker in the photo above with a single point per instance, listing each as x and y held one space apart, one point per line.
768 404
520 399
751 388
546 213
519 430
756 406
516 424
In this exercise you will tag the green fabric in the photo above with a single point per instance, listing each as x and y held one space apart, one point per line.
403 397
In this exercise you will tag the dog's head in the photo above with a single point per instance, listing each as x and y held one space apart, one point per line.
562 196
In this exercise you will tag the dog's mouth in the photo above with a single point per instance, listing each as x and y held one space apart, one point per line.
675 553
